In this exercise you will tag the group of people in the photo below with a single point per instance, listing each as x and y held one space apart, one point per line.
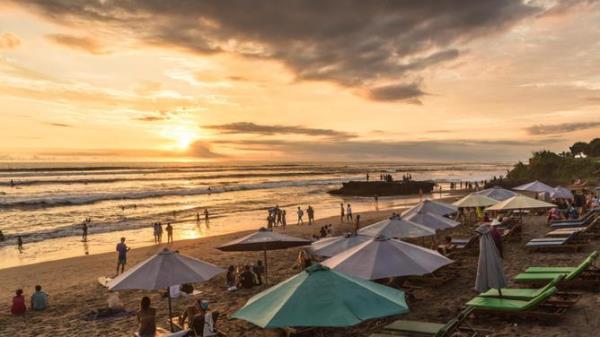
386 177
246 277
39 301
310 212
158 232
276 217
346 213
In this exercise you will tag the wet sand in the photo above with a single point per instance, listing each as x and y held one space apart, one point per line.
74 291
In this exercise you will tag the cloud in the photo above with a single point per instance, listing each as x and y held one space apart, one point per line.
450 150
553 129
60 125
84 43
365 44
397 92
200 149
268 130
151 118
9 40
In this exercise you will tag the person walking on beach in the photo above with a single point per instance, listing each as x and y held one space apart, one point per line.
122 249
300 215
357 223
169 233
349 213
283 220
20 243
342 212
84 229
311 214
155 231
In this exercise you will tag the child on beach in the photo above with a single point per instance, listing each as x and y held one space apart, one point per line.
18 304
39 299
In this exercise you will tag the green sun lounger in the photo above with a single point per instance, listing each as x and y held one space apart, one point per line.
548 276
586 262
418 328
523 294
506 304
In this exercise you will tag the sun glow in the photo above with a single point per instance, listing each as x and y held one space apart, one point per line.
182 136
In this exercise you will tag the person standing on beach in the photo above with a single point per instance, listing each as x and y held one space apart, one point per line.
357 224
342 210
300 213
197 218
160 232
283 220
169 233
206 216
84 229
311 214
349 213
122 259
155 231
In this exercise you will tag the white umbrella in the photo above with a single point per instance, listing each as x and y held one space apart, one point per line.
497 193
490 273
382 257
561 193
519 202
431 206
474 200
396 227
432 221
535 186
163 270
331 246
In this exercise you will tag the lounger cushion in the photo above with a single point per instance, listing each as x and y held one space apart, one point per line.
504 304
415 326
536 277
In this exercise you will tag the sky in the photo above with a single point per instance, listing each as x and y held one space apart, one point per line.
489 80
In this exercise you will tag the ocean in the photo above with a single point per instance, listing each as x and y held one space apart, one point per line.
47 203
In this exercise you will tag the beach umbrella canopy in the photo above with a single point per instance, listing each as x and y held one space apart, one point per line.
321 297
497 193
489 267
561 193
535 186
383 257
431 206
331 246
519 202
263 240
432 221
474 200
163 270
396 227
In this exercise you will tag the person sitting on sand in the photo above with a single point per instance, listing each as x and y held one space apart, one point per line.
230 279
446 247
204 322
188 314
18 304
146 318
246 278
304 260
323 232
39 299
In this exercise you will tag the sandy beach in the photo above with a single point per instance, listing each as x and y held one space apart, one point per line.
74 291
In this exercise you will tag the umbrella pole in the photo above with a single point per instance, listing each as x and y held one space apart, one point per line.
266 268
170 309
499 292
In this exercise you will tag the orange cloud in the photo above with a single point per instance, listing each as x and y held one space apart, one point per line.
9 41
87 44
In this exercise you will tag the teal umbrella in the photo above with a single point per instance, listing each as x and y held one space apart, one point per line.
321 297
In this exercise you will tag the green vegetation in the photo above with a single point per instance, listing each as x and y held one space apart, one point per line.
582 162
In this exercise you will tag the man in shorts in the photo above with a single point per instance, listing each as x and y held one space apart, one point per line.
122 249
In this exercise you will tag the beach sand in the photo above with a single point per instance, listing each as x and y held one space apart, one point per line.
74 290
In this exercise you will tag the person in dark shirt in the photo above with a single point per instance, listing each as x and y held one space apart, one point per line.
122 260
259 270
247 278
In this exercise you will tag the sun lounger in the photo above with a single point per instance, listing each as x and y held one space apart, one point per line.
419 328
562 243
583 221
586 275
540 307
586 263
524 294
